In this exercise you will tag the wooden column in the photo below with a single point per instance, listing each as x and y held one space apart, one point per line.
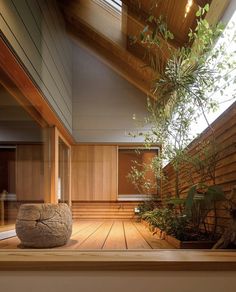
68 168
50 165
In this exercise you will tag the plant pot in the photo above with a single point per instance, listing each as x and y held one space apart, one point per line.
201 244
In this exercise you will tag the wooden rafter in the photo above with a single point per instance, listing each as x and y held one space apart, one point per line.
139 17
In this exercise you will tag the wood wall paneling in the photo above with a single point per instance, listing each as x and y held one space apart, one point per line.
29 173
37 35
225 135
94 173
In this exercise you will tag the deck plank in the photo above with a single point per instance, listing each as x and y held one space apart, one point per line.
9 243
133 237
116 237
98 238
104 234
152 240
82 235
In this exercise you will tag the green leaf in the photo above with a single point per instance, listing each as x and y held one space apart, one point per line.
150 18
206 7
142 36
198 13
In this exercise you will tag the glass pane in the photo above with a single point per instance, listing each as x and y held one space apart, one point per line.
23 144
141 159
63 172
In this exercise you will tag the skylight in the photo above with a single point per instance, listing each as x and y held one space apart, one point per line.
115 4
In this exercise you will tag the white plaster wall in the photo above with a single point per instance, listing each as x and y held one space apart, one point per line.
103 102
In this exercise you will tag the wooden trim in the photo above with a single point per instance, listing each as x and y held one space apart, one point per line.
20 98
117 174
27 92
121 144
50 165
55 164
59 135
161 260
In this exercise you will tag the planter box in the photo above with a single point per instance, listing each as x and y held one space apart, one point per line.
203 244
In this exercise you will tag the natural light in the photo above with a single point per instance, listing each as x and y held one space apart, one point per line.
227 97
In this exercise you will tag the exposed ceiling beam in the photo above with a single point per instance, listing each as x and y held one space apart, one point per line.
118 58
139 17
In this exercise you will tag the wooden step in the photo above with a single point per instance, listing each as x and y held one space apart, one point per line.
102 217
103 210
104 203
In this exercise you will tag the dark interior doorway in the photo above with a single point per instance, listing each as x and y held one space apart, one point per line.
8 169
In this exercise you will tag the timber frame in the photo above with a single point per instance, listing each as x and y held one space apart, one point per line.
16 80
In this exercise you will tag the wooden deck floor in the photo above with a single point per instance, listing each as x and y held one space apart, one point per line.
106 235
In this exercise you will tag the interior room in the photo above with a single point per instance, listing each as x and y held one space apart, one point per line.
118 136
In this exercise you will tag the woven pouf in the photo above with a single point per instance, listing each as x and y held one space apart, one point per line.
44 225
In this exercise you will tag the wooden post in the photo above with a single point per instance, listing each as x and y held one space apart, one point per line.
60 136
50 165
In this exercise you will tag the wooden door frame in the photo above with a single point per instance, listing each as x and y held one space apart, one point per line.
15 78
58 136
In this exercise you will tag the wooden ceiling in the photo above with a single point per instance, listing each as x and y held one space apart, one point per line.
107 34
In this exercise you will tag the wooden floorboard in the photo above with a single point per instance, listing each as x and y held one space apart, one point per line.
7 226
106 235
133 237
98 238
116 238
77 240
10 243
153 241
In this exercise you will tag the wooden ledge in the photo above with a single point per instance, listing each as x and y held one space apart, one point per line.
159 260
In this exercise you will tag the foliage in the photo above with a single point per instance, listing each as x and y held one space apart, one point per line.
200 201
186 223
146 206
141 176
168 220
186 81
184 86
